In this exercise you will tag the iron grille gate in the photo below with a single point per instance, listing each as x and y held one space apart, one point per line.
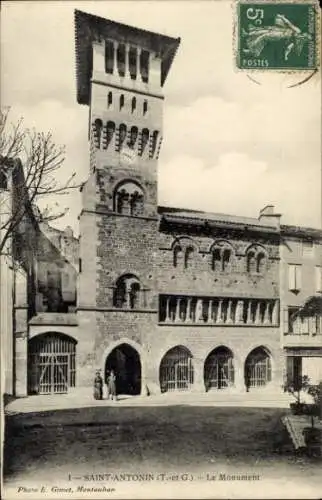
51 364
258 368
176 370
219 371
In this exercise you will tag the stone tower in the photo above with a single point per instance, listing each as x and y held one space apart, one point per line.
120 74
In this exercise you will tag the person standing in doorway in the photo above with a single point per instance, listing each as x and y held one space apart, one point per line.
98 386
112 385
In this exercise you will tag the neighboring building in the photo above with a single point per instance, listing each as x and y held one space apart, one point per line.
172 299
301 298
38 283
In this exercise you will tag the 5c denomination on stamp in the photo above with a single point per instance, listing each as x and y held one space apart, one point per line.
280 36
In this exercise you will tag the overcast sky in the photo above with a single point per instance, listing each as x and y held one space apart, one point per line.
230 145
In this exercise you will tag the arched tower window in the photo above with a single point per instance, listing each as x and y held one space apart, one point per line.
145 106
133 136
144 65
132 62
127 292
129 199
122 135
109 99
133 104
121 101
110 130
154 142
120 56
98 127
144 139
109 56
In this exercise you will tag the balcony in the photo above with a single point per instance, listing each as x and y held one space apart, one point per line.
303 331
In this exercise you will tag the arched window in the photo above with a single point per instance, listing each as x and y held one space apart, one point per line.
216 260
188 257
121 101
129 199
258 368
98 127
133 104
136 203
251 262
145 106
177 255
144 139
133 136
122 135
110 129
221 257
256 260
219 369
176 370
226 259
154 142
261 263
109 99
127 292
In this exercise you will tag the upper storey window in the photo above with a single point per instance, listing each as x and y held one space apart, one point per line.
183 254
221 257
127 292
129 199
294 277
256 260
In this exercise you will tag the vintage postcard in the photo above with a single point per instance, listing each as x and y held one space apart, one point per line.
161 249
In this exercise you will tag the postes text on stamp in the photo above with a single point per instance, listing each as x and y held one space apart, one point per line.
280 36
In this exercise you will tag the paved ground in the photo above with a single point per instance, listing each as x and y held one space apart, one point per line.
186 438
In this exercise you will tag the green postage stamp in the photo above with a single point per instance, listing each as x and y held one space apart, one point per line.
280 36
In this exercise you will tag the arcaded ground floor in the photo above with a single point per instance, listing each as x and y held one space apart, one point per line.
53 366
195 445
57 362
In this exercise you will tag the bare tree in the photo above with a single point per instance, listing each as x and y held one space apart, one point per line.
39 160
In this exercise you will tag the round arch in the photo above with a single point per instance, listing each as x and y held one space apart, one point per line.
125 361
176 369
51 363
258 367
184 242
138 361
219 369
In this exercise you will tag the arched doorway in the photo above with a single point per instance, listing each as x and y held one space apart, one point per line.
176 370
258 368
125 361
219 369
51 363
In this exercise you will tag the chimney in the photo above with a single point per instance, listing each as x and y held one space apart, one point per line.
268 216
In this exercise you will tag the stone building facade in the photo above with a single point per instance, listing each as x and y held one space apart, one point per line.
171 299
